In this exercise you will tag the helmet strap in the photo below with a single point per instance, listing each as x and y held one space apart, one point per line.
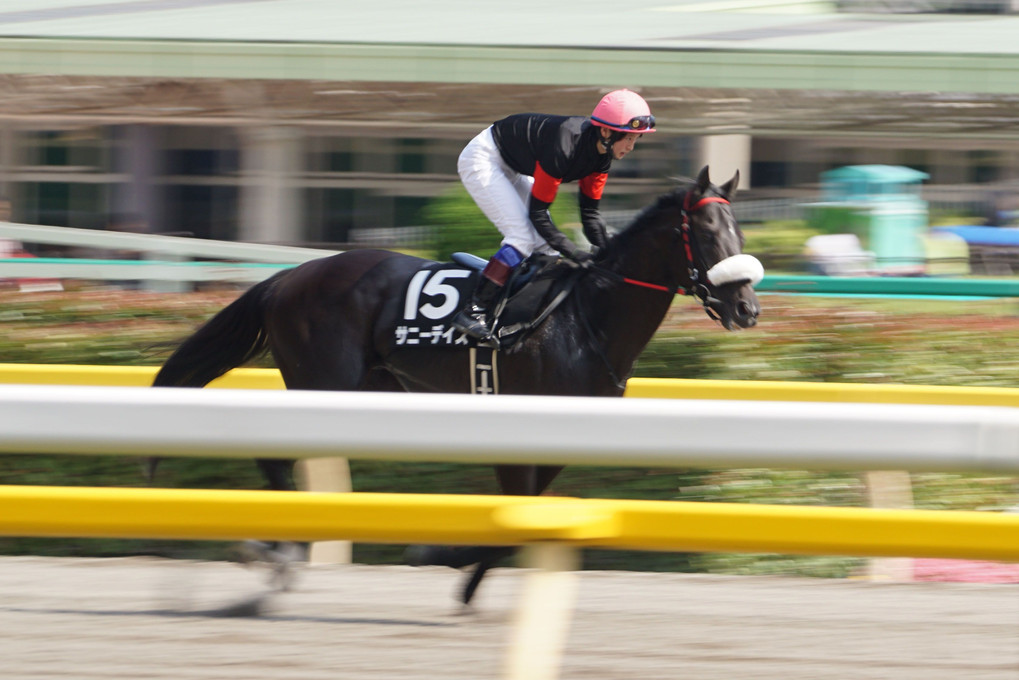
608 142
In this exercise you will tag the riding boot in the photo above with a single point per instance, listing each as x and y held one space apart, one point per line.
473 320
476 319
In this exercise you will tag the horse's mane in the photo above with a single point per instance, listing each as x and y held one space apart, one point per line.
646 217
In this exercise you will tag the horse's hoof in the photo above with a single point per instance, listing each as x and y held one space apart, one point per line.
282 577
249 552
288 553
272 553
280 559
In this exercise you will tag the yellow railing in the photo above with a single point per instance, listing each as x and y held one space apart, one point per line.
509 520
655 388
551 529
127 376
759 390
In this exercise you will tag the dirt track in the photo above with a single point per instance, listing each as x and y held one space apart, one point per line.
143 618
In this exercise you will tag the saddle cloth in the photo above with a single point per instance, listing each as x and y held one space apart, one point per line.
432 297
438 291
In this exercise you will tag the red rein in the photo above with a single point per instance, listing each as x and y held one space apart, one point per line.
687 209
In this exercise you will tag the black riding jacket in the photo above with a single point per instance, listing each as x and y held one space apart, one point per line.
553 150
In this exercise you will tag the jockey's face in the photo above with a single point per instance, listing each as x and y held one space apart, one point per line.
623 146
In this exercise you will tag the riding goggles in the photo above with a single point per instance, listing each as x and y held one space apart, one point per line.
635 124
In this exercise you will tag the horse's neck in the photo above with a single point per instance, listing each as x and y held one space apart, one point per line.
625 316
653 252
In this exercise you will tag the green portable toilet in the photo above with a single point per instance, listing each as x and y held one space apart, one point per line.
881 204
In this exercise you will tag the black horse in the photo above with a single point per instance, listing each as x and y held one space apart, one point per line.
329 325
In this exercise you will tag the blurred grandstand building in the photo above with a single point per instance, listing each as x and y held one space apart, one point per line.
293 122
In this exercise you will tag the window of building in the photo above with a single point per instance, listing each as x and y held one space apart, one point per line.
329 154
83 149
62 204
918 159
202 162
983 166
329 215
768 174
411 156
203 211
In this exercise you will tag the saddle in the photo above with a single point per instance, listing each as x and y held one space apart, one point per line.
437 292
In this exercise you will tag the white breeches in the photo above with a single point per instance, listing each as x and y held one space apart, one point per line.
501 193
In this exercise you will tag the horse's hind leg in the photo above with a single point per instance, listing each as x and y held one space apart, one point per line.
279 556
313 368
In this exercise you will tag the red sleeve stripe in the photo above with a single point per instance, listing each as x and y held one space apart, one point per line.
545 185
593 185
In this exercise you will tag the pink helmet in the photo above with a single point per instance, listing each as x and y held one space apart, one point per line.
623 111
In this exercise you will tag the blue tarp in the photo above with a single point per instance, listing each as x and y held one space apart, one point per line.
976 235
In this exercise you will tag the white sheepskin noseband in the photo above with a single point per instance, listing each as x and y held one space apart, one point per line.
742 267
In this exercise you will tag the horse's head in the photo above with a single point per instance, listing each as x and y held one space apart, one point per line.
718 272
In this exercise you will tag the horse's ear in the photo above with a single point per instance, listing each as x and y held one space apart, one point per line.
729 188
703 179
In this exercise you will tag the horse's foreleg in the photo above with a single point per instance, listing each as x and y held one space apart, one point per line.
544 476
525 480
488 558
515 480
483 556
279 473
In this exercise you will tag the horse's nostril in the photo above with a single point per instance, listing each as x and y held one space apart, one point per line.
746 314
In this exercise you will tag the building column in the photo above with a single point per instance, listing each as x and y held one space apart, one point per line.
137 204
726 154
140 195
270 197
8 159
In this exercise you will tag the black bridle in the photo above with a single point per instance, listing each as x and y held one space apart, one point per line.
698 288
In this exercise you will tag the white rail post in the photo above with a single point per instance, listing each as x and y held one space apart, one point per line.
889 489
326 475
543 616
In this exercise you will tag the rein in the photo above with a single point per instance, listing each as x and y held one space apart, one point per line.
688 246
698 289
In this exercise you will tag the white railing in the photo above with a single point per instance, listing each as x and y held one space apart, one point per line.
130 270
248 262
546 430
154 243
563 430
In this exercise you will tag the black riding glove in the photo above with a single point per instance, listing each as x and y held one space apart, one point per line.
583 259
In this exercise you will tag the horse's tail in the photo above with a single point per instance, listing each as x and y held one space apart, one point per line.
233 337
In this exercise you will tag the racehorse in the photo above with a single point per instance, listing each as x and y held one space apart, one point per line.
328 325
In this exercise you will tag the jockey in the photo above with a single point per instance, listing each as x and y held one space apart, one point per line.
513 170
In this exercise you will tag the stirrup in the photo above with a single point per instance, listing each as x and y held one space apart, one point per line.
472 323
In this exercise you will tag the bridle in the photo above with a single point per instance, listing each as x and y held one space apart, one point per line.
698 287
